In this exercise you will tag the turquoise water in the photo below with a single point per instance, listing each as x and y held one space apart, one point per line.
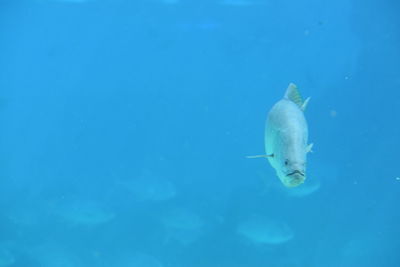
125 127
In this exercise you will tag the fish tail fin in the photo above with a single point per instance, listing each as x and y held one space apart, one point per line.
293 94
309 148
305 103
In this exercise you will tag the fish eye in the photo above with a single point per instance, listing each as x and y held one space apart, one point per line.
286 162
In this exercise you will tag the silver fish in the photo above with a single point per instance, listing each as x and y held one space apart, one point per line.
286 137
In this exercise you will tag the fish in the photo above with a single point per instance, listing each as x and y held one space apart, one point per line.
286 138
263 231
79 212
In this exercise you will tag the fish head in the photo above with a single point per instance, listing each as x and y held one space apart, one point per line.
292 172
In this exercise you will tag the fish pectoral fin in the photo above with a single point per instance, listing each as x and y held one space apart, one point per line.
260 156
309 148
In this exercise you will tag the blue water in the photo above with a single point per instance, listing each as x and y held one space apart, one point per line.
125 126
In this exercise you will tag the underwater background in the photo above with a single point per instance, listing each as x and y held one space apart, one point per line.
125 126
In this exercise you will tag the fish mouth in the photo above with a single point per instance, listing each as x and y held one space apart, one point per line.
295 178
294 172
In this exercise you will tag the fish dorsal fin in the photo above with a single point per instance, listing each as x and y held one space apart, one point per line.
293 94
